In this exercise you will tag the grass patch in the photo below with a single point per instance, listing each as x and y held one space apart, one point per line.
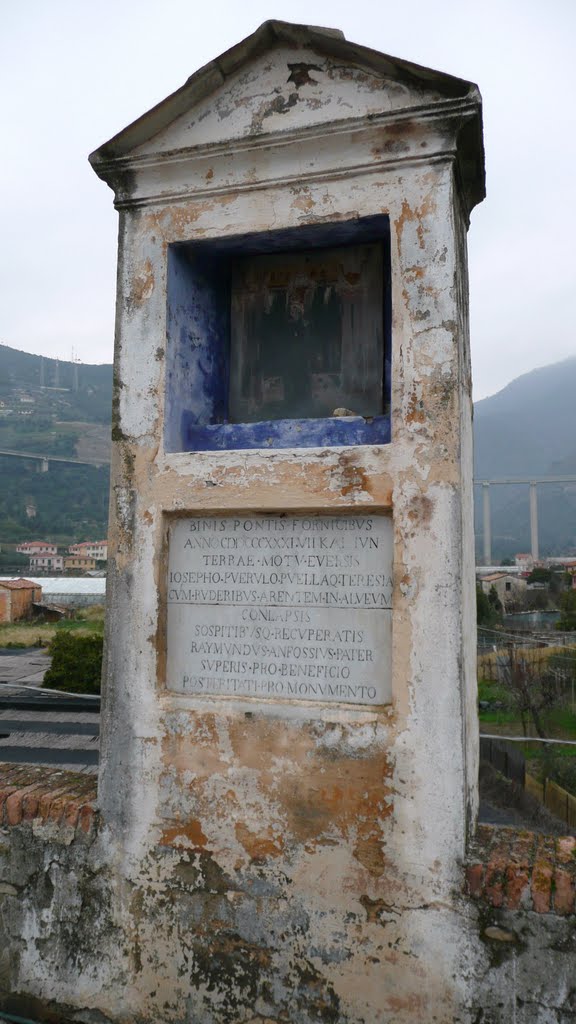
487 690
500 716
86 622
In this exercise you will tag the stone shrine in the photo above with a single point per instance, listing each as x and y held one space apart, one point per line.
289 743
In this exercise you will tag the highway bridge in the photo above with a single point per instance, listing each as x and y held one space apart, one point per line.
44 460
531 482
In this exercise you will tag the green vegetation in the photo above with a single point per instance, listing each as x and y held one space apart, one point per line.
61 409
76 663
86 622
534 695
71 502
540 575
488 607
11 559
567 602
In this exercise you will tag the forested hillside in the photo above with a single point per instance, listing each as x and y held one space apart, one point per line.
61 408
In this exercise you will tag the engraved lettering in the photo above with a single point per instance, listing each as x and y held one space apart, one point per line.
290 607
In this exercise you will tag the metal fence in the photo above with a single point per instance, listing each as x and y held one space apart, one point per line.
505 758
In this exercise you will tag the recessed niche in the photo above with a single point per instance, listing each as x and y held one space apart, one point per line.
280 340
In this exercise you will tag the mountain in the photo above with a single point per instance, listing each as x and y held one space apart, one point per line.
53 407
56 407
529 429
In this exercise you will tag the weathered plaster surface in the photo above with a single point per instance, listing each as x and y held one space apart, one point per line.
182 939
289 88
297 827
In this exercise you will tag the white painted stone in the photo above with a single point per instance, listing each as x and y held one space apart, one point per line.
281 606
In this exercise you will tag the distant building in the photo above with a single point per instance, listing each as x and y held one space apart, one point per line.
82 563
570 568
17 598
97 549
37 547
507 585
524 562
44 563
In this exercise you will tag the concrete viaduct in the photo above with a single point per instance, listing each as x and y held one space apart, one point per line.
531 482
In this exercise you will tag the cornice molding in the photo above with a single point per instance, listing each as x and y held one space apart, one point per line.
445 110
287 181
182 168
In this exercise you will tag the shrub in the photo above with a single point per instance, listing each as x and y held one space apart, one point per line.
76 663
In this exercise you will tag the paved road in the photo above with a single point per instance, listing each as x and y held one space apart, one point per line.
54 737
27 667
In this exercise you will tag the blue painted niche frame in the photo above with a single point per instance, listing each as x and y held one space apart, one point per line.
198 344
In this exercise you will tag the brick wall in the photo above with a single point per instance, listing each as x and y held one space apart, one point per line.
59 888
513 870
30 793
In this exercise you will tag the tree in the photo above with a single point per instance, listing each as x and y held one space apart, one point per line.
540 575
76 663
495 600
532 688
567 602
486 612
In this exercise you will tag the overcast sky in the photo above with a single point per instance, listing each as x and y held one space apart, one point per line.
76 72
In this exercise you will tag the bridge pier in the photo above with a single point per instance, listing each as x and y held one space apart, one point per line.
534 521
486 523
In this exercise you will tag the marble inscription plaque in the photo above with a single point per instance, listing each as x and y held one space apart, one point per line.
281 606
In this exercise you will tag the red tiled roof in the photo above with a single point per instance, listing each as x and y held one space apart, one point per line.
35 543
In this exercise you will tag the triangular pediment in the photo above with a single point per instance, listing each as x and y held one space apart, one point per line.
282 78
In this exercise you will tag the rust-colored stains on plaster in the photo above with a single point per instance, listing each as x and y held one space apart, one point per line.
415 412
353 480
185 835
369 851
303 200
195 751
319 793
415 1004
322 481
142 285
377 910
415 272
323 792
176 223
419 214
420 511
259 845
